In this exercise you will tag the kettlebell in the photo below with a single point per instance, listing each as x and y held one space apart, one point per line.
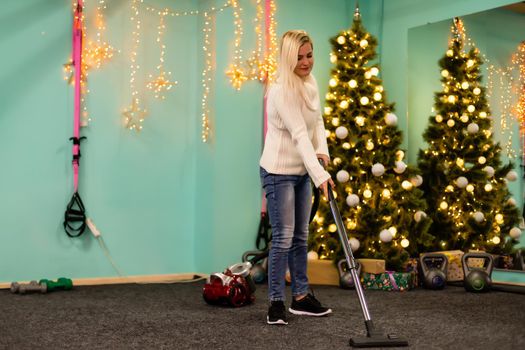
346 280
477 279
434 268
259 261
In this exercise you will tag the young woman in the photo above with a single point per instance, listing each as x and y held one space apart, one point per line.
295 142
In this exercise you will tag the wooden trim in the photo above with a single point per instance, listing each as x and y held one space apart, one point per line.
170 278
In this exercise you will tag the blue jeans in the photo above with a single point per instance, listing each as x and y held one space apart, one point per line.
289 201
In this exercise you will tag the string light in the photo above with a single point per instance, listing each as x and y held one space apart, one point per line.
134 114
235 71
505 88
161 83
206 77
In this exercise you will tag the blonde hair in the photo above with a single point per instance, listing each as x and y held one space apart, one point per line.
293 85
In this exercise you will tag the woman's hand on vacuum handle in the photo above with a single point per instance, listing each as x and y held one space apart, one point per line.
325 160
324 186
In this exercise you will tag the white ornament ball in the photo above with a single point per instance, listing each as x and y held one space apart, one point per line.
417 180
385 236
515 232
354 244
461 182
478 216
342 176
312 255
352 200
489 170
512 175
378 169
390 119
341 132
419 215
511 201
400 167
472 128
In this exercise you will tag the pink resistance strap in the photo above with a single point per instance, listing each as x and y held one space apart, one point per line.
264 224
75 217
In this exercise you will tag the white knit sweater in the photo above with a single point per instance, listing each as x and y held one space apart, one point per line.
295 134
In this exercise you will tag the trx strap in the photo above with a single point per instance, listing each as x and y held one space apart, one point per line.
75 216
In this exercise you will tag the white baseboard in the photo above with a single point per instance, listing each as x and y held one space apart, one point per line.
170 278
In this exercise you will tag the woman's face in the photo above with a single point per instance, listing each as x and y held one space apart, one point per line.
305 60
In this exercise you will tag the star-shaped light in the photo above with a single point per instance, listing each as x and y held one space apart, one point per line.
237 77
161 84
96 54
134 115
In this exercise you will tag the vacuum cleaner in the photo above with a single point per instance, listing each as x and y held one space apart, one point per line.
374 337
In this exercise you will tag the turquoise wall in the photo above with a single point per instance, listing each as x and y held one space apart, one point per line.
164 201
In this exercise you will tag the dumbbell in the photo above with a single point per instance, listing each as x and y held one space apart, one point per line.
31 287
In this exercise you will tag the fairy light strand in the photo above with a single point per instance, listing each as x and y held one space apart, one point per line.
207 74
134 114
506 84
235 71
161 83
272 48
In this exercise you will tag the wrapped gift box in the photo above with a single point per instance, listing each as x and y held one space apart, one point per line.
389 281
322 272
412 265
455 268
372 265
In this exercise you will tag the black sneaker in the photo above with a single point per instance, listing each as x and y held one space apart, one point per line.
309 306
276 313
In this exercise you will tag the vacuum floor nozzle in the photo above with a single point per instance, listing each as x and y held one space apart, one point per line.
378 341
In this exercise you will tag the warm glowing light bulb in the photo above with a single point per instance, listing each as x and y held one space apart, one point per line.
460 162
483 114
476 91
465 85
378 96
405 243
360 120
386 193
499 218
482 160
451 99
332 228
341 40
364 100
367 193
327 110
488 187
363 43
444 73
406 185
333 82
335 121
443 205
343 104
471 108
496 240
374 71
470 188
352 83
369 145
439 118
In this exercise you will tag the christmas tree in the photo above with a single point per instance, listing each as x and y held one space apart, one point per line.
378 194
465 183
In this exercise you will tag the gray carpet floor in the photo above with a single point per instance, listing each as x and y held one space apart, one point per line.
174 316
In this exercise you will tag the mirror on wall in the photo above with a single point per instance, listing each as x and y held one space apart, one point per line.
497 33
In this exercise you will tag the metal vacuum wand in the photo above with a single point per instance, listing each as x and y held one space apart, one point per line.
374 338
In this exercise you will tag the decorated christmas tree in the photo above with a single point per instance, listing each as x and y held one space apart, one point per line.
378 195
465 183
